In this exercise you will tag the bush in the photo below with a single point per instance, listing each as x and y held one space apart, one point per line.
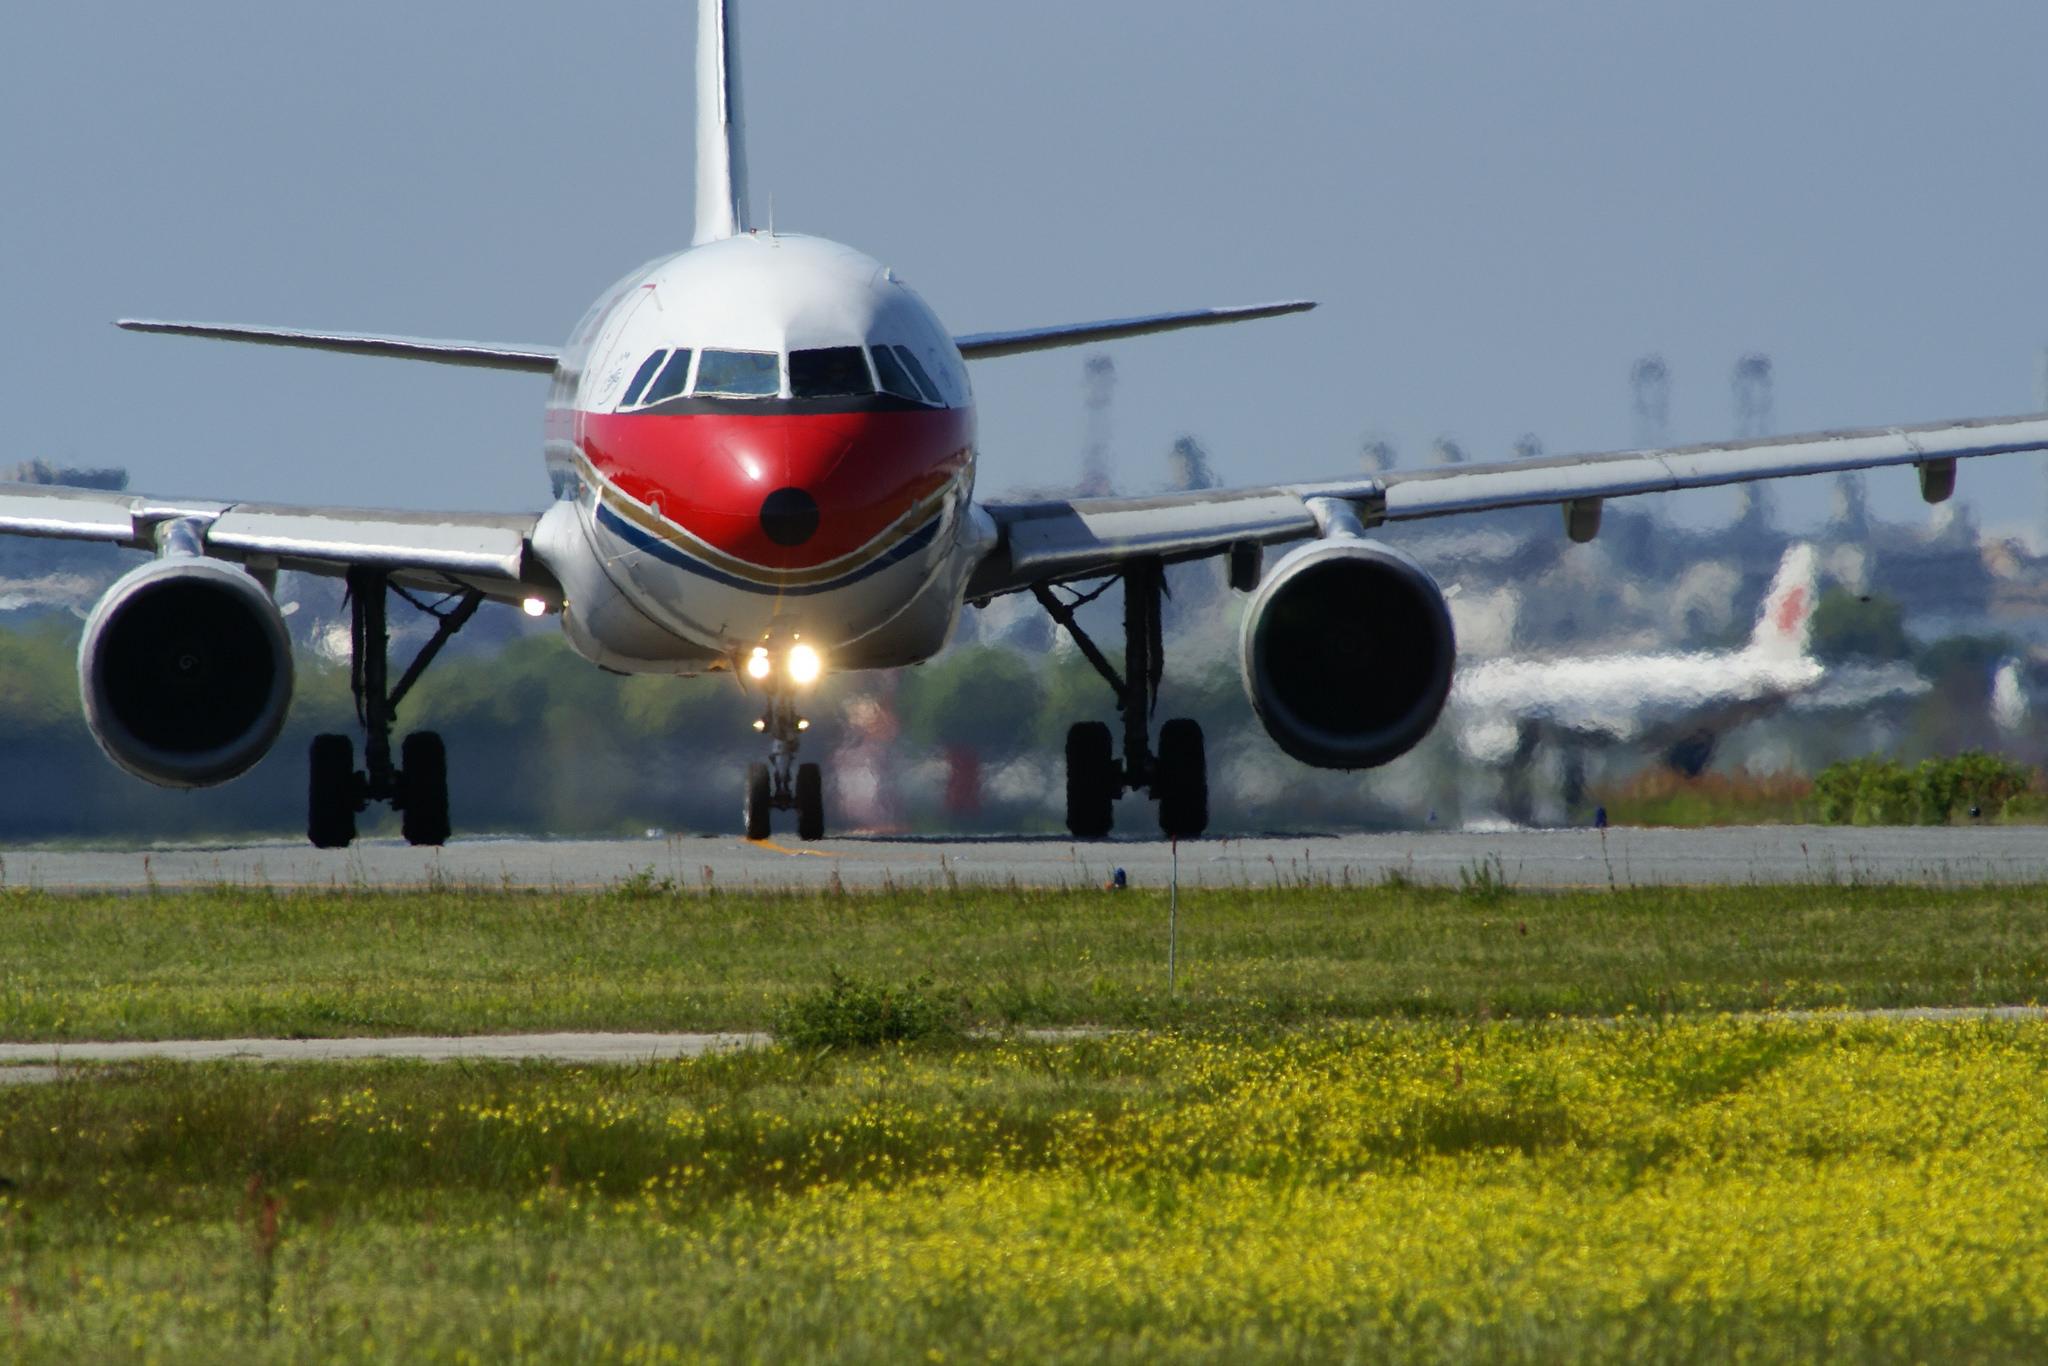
1883 792
853 1014
1835 788
1984 783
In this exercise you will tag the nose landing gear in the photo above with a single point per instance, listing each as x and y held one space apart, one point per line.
1177 776
782 784
418 784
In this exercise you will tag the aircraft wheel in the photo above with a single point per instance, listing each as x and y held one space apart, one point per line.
810 802
759 801
1091 780
331 792
1182 780
1691 755
423 766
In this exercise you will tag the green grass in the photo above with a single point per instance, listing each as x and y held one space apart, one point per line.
240 963
1687 1189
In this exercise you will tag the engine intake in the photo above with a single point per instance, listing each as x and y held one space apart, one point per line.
186 672
1348 652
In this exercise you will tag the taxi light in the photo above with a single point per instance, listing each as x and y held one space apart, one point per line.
803 725
757 663
535 607
760 725
804 664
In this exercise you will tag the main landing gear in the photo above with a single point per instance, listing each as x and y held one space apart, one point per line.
783 784
1177 774
418 784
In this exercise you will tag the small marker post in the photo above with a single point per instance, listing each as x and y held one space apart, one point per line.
1173 920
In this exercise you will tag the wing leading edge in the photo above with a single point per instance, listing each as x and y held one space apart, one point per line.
491 552
1044 542
484 355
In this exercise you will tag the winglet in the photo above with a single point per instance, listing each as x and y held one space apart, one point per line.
1785 625
721 135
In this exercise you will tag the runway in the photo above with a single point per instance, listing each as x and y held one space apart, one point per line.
1524 858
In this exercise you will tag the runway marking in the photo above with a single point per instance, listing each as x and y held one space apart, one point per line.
785 849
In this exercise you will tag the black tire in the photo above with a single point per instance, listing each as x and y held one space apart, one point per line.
423 769
1182 780
810 802
758 800
331 792
1691 755
1091 781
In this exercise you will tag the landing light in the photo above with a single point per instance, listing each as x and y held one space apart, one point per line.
804 664
535 607
760 725
803 724
757 663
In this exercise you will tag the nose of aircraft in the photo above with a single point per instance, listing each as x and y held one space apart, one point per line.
784 491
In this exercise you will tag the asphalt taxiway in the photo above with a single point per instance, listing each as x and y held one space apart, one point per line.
1525 858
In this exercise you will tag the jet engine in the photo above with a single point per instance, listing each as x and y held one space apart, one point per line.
1348 651
186 672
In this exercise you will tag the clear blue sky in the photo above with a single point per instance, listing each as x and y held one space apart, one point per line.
1500 206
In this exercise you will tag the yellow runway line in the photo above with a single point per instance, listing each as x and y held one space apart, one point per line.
785 849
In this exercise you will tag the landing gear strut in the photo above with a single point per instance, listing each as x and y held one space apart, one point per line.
1176 775
783 784
417 786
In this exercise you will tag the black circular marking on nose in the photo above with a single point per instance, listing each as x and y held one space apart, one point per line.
789 516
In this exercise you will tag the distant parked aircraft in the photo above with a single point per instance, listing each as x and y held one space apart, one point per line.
1676 704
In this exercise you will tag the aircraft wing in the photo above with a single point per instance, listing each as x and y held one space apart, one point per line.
1062 539
490 552
986 345
487 355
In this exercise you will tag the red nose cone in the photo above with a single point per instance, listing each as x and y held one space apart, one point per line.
783 490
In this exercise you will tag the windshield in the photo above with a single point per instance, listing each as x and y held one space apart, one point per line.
670 381
829 372
739 374
640 378
895 377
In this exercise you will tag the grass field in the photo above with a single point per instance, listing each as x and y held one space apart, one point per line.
1389 1123
254 963
1679 1190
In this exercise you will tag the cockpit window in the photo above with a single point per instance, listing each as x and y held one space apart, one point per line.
671 380
829 372
740 374
640 378
918 373
895 378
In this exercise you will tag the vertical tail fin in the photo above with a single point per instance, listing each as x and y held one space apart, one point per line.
721 136
1785 625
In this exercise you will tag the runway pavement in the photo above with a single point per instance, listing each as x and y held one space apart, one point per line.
1526 858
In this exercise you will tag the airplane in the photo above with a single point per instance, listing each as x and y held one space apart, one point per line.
1677 704
1674 702
761 451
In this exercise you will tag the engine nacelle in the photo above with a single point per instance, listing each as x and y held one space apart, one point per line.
1348 652
186 672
